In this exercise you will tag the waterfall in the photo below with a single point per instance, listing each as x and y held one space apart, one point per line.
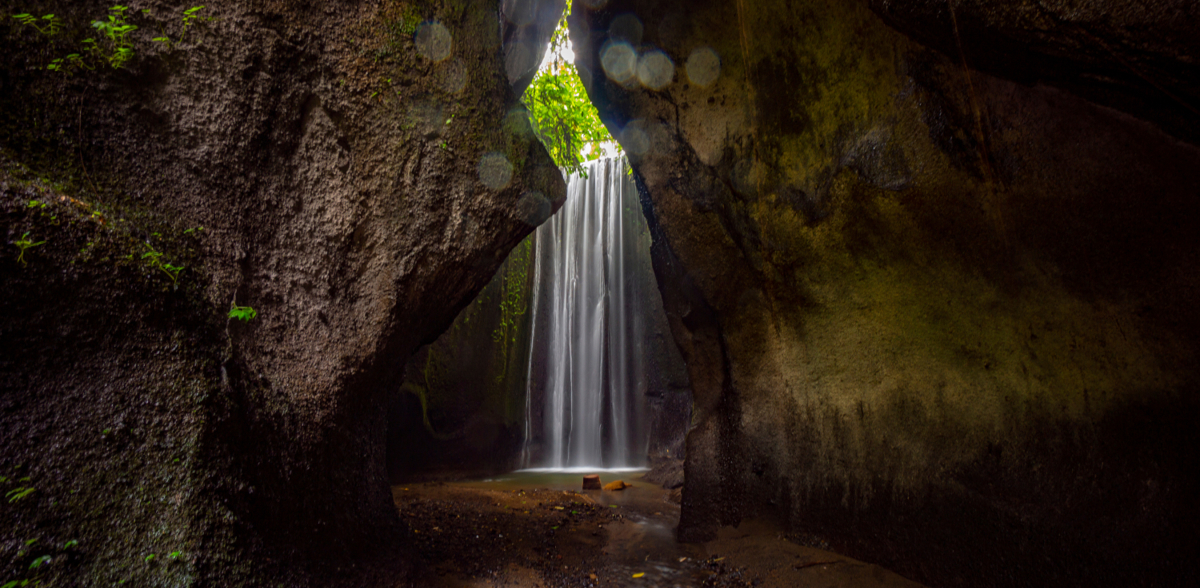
590 278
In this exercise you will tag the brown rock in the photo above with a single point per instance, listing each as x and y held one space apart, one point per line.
407 217
903 182
617 486
591 482
676 496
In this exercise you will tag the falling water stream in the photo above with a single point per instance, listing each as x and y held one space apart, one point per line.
590 336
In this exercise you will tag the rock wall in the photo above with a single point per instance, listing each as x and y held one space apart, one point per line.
943 319
1142 58
360 170
461 407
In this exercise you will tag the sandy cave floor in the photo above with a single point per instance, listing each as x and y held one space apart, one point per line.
540 530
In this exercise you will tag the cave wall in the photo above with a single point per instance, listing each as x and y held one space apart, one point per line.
1138 57
942 318
461 406
360 170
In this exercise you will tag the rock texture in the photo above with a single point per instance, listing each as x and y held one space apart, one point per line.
617 486
942 318
1141 57
360 171
527 26
461 407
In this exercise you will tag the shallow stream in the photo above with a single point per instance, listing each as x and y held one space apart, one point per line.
642 543
539 529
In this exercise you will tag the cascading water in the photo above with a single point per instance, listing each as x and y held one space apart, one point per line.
591 275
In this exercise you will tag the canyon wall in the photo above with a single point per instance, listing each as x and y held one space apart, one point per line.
354 172
935 287
461 407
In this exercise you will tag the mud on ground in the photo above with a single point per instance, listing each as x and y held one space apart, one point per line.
461 535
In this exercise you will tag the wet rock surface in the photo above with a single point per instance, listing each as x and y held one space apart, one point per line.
461 403
923 316
357 170
617 486
1143 58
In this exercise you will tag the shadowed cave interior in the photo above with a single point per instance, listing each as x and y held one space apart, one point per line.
872 293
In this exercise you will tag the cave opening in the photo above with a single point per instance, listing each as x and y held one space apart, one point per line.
565 360
936 293
562 368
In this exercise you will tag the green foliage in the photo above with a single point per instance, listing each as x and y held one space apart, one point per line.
48 25
404 24
116 47
19 493
561 112
25 243
398 26
190 16
21 583
387 82
154 259
74 60
150 558
43 556
242 313
514 302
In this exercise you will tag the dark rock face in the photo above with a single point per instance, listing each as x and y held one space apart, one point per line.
941 318
1140 57
360 172
461 407
527 28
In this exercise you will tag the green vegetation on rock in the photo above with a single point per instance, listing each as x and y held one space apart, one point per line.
25 243
514 302
561 112
114 44
189 16
243 313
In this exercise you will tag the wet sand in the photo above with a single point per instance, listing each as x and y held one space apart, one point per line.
530 529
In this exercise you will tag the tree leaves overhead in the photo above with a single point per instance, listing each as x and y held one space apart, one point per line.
561 113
